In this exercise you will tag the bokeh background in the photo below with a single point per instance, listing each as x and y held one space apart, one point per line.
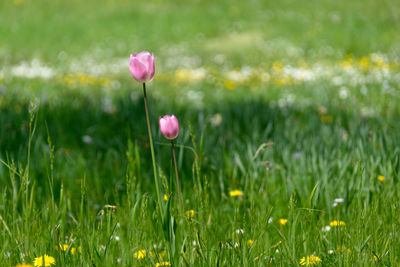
232 70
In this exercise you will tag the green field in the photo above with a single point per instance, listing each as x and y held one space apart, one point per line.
292 105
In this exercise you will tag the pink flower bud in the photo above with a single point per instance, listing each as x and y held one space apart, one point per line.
142 67
169 126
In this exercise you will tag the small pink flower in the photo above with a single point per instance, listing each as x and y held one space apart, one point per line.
142 67
169 126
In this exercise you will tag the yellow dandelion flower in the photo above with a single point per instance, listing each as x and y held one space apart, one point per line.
364 63
381 178
165 197
277 66
44 260
190 213
336 223
282 221
63 247
140 254
230 85
24 265
164 263
250 242
347 63
377 257
236 193
310 260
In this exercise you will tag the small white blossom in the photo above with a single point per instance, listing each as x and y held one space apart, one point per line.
239 231
326 228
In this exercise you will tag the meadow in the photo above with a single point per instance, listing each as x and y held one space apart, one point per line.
289 145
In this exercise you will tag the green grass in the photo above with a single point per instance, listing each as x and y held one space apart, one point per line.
75 160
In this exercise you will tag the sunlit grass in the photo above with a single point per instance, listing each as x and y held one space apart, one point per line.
288 151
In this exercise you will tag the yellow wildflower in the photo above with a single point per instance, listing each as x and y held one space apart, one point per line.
190 213
24 265
277 67
310 260
44 260
282 221
337 223
381 178
165 197
229 84
164 263
140 254
236 193
364 63
347 63
250 242
63 247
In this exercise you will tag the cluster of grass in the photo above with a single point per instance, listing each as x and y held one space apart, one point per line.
270 175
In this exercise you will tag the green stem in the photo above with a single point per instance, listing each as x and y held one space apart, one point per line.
152 153
176 172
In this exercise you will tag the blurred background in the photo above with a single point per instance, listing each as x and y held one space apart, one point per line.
238 72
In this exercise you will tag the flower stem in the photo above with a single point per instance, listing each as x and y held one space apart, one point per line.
152 153
176 171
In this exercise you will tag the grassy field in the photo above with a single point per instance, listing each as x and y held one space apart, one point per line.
289 143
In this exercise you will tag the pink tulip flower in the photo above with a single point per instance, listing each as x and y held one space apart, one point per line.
169 126
142 67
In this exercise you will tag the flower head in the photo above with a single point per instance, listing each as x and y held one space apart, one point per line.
142 67
310 260
24 265
190 213
169 126
336 223
140 254
282 221
326 228
236 193
164 263
44 260
381 178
